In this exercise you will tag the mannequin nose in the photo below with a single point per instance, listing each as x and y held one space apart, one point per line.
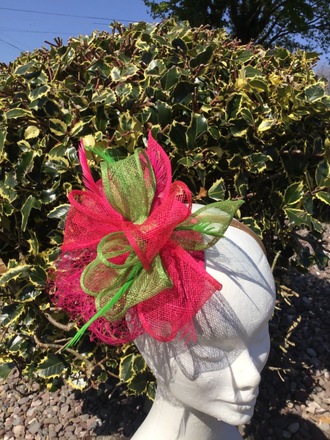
245 372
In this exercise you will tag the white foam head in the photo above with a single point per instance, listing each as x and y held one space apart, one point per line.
218 374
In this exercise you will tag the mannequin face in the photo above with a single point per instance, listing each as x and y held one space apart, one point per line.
219 374
228 393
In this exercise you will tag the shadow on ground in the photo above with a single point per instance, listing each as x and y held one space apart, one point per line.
295 387
117 412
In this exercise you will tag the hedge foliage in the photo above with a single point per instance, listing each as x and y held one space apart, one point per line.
237 121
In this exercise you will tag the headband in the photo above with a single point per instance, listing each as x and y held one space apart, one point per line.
132 256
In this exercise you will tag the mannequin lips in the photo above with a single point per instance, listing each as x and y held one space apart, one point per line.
245 400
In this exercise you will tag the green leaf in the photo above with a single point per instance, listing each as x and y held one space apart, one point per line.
151 390
25 164
298 217
18 343
5 369
234 106
197 127
139 364
124 90
164 113
107 96
48 196
217 190
178 135
314 92
115 74
252 224
38 276
186 161
39 92
8 187
57 127
170 79
259 84
258 162
138 384
14 273
247 115
265 125
29 294
21 70
294 193
156 67
3 134
59 212
17 113
101 119
238 127
51 366
244 56
252 72
126 372
322 174
323 196
11 314
31 202
77 128
203 57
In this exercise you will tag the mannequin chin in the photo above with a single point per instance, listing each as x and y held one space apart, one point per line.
209 386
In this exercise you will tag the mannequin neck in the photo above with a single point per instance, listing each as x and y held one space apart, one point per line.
168 422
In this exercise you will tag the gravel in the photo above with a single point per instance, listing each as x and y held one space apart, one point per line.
294 399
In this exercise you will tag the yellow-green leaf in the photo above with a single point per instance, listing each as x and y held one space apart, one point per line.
17 113
77 128
57 127
323 196
126 372
294 193
31 132
217 190
51 366
13 273
265 125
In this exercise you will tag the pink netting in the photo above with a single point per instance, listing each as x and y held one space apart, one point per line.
91 217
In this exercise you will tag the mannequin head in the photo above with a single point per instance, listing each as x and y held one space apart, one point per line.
218 374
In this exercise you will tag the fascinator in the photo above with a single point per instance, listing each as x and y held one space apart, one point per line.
131 262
